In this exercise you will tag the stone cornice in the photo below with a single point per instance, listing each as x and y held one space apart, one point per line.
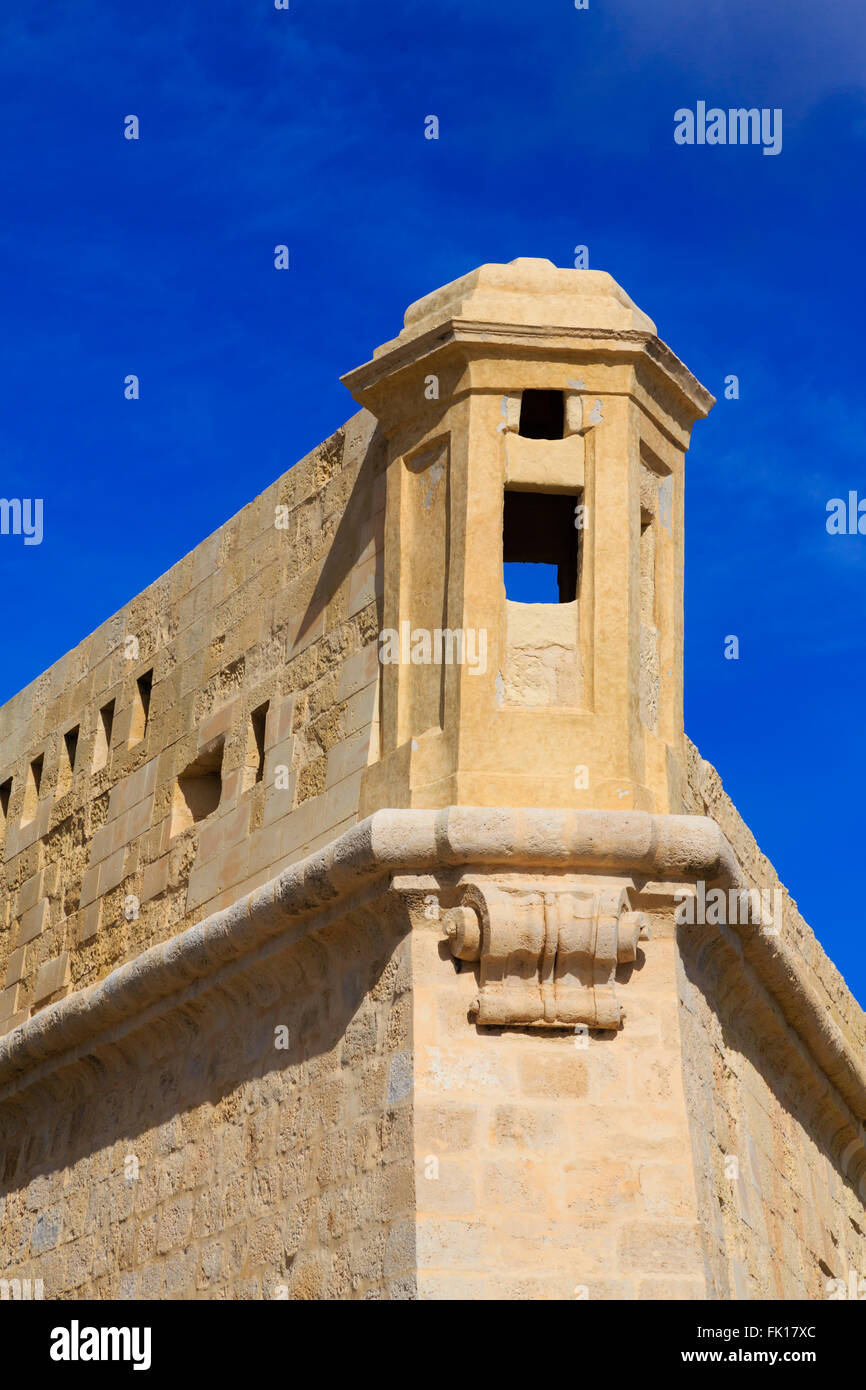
629 343
359 865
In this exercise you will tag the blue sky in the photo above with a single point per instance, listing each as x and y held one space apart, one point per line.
261 127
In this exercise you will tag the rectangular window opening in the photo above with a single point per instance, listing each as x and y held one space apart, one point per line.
198 789
31 791
256 743
70 743
542 415
5 797
68 754
104 726
141 708
540 547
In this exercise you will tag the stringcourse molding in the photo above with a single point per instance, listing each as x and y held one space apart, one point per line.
570 937
356 864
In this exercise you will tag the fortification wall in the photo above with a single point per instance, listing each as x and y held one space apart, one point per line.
213 1155
781 1208
252 661
463 1048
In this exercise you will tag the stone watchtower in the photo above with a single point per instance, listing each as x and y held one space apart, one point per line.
532 415
420 995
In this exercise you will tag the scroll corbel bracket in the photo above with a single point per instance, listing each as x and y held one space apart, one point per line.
547 957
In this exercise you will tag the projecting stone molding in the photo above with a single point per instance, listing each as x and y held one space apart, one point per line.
569 859
548 955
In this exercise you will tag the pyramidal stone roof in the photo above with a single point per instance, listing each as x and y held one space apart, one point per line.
527 291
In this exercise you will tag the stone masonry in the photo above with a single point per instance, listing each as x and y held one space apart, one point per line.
334 974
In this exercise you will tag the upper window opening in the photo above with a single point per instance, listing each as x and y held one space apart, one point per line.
5 796
540 547
542 415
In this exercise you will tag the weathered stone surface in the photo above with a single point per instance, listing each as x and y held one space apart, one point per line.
332 977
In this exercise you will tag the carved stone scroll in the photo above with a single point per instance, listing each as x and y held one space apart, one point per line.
548 958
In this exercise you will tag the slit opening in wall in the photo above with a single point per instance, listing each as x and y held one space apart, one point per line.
254 759
542 415
31 790
540 547
198 789
68 755
70 743
647 570
5 797
141 707
104 726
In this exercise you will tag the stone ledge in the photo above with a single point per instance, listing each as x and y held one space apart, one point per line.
399 353
672 848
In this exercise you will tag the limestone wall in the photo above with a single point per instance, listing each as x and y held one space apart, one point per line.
277 609
202 1160
552 1165
780 1219
269 1051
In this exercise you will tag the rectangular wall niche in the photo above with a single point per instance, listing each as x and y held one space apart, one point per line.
199 788
540 547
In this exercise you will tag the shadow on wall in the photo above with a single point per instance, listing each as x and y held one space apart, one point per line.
353 534
202 1126
777 1186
